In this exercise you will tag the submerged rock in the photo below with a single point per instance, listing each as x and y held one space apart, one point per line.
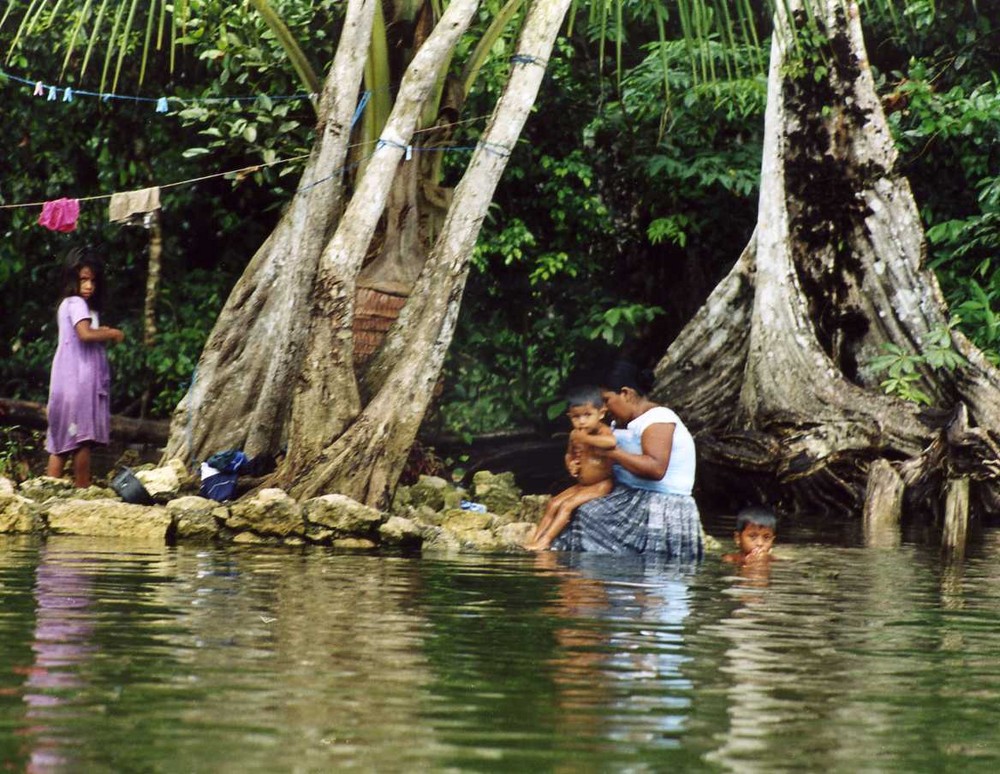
194 517
401 532
109 518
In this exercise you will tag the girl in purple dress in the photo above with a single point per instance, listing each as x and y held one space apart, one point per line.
79 410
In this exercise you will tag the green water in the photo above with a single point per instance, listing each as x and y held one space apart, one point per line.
125 657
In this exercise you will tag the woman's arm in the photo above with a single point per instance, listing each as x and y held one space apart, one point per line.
86 333
657 440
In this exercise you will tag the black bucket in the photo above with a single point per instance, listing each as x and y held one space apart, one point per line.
130 489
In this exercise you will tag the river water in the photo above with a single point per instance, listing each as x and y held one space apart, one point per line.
132 657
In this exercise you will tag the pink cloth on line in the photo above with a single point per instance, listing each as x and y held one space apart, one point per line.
79 391
60 215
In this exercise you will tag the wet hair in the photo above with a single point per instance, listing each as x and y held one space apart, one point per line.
625 373
587 395
756 515
77 259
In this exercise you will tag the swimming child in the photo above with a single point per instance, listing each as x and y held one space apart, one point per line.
756 528
584 461
79 409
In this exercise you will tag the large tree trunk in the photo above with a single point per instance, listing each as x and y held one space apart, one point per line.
365 461
326 397
282 353
242 387
773 371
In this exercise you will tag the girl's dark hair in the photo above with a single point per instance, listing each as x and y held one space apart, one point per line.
76 259
625 373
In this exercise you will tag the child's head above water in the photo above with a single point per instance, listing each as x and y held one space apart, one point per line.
586 408
756 528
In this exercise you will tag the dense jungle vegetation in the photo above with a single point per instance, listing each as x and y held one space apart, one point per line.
622 206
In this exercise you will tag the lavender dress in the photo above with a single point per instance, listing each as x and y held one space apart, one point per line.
79 408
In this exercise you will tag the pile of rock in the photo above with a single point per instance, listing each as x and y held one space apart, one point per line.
431 515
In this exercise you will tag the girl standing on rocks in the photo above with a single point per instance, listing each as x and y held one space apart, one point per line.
79 409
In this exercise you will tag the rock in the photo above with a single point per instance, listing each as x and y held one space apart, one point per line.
250 538
45 487
533 507
401 532
346 517
426 515
193 517
108 518
480 541
440 541
354 544
162 483
462 521
401 501
515 535
90 493
17 514
429 490
498 492
316 534
269 512
711 544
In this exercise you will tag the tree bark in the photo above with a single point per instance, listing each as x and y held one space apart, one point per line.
834 271
243 385
365 461
326 397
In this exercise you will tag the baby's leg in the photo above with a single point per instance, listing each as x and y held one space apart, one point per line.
564 512
550 513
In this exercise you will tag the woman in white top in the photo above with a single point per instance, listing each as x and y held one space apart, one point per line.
651 509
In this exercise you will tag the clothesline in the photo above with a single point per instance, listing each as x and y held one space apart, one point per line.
52 92
246 170
256 167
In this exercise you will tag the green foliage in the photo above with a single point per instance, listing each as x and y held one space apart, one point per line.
943 105
17 447
904 368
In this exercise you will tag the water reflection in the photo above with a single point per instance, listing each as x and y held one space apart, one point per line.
617 668
146 658
61 645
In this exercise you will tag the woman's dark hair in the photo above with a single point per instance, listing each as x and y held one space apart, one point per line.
625 373
79 258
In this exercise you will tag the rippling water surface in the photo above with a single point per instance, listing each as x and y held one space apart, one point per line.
125 657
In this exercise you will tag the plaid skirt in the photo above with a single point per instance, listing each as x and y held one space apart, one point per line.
634 521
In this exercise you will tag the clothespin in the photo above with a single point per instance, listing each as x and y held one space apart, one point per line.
68 95
52 94
409 152
39 89
105 97
161 105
